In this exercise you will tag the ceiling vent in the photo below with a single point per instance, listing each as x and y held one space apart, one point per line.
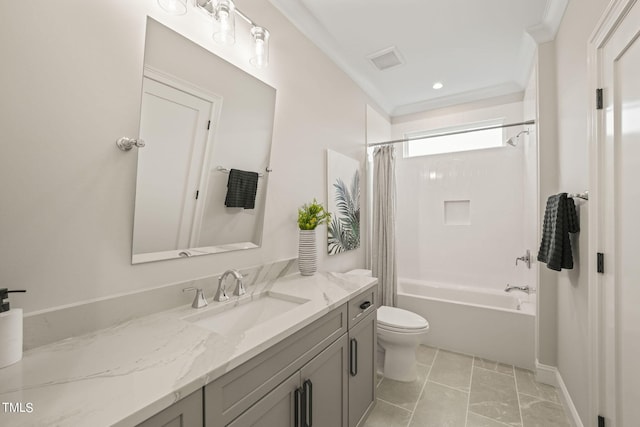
386 58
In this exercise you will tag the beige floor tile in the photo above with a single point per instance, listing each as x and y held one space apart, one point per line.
452 369
491 401
537 412
493 395
402 393
475 420
440 406
493 366
425 355
387 415
528 385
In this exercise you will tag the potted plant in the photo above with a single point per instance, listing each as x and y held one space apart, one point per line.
310 215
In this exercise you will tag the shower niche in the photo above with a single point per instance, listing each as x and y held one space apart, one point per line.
457 212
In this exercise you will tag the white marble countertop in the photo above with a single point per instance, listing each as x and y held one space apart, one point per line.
124 374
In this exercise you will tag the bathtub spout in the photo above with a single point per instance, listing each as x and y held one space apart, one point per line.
526 289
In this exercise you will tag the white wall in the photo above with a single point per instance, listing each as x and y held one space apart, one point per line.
483 252
530 216
572 103
71 76
548 185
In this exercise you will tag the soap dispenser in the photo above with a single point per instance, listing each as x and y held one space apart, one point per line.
10 330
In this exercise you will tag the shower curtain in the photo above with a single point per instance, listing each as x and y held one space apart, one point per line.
383 252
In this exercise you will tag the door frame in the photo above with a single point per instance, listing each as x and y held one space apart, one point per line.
216 101
613 15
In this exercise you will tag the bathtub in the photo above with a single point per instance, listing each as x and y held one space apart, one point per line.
486 323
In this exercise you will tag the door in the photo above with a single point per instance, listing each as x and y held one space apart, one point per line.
618 218
174 124
325 387
184 413
362 368
278 408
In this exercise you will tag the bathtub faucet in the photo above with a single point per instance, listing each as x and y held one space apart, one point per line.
525 289
526 258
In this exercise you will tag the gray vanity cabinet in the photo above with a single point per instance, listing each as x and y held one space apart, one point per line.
184 413
317 395
362 369
277 408
321 376
325 387
254 389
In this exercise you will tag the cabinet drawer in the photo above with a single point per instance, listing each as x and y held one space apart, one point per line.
234 392
362 304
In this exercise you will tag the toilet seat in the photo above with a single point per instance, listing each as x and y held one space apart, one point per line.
402 321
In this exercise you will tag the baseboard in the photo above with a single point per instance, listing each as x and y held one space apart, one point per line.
550 375
569 407
546 374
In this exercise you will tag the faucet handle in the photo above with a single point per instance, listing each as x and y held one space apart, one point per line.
199 301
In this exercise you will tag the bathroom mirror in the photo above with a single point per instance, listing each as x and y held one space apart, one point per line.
200 118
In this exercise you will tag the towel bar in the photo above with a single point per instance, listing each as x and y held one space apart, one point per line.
583 196
225 170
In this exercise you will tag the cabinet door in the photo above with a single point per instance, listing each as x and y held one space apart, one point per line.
325 386
184 413
362 369
276 409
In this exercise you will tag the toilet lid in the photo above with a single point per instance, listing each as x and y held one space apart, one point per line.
399 318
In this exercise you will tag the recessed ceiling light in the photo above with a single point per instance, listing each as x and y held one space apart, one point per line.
438 85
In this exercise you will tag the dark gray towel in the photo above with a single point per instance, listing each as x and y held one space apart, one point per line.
560 219
241 189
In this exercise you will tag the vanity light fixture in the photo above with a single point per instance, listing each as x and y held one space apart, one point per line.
223 14
260 57
173 7
224 22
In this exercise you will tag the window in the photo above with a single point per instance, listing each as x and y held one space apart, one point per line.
454 143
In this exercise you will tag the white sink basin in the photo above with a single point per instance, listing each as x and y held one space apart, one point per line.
235 317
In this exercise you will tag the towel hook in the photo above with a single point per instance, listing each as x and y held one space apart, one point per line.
126 144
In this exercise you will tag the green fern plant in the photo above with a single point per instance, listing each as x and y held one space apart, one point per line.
344 229
311 215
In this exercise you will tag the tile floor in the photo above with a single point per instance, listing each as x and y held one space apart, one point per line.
456 390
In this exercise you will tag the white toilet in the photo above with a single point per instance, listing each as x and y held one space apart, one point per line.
399 334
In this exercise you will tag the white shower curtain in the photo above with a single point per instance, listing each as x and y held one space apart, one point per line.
383 252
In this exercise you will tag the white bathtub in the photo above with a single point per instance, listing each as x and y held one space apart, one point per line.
483 322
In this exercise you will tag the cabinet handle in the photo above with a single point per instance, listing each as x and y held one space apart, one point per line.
298 407
308 400
353 357
365 305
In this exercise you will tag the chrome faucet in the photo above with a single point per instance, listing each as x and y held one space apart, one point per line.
199 301
221 294
526 289
526 258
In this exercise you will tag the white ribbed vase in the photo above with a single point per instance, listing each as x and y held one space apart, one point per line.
307 253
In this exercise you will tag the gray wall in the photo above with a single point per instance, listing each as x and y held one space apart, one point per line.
71 76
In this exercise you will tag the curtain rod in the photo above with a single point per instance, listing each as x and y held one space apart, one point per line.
435 135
